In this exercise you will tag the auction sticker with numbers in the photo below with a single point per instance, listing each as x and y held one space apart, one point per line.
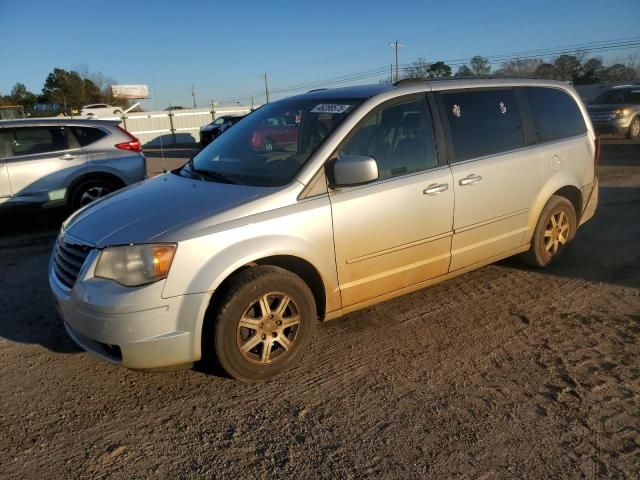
330 108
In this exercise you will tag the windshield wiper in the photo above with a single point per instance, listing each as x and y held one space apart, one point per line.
212 174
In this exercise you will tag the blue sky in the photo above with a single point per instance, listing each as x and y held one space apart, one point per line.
222 47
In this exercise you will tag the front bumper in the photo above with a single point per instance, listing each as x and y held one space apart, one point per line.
618 127
132 327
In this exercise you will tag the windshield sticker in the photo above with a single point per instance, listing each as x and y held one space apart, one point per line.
330 108
503 108
456 111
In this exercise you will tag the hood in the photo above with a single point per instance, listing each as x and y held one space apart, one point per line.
607 107
143 211
209 128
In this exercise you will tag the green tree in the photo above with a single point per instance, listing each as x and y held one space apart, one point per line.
439 70
519 67
545 70
566 67
464 71
619 72
70 90
480 65
21 96
591 72
417 69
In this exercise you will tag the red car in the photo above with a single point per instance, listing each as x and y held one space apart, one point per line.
276 133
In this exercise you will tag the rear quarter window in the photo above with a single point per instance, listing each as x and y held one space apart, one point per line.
555 114
87 135
482 122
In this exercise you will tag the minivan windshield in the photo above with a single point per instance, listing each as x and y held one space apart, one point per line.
618 96
269 146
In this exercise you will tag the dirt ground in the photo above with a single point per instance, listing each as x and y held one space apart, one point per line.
505 372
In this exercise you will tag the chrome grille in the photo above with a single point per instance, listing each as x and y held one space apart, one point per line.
68 261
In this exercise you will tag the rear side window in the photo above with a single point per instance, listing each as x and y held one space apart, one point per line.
555 114
482 122
34 140
87 135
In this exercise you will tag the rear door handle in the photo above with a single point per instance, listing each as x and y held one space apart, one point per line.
67 156
435 188
470 179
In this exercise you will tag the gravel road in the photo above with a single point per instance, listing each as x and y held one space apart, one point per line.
505 372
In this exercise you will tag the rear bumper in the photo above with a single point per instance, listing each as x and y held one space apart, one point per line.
590 203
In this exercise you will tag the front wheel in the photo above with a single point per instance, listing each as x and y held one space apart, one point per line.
554 231
634 129
265 322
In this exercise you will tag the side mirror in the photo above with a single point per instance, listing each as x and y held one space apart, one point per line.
352 170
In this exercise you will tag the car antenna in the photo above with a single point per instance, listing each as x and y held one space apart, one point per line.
155 94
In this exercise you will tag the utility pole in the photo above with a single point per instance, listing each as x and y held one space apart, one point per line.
391 73
266 86
396 45
193 94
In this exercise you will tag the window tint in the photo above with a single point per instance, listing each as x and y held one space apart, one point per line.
555 114
87 135
399 137
483 122
33 140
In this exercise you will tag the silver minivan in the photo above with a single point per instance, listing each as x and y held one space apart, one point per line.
364 194
56 160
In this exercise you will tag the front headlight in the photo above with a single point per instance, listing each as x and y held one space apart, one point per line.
135 265
620 113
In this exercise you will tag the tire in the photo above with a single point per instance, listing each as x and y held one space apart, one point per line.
268 145
554 231
252 344
89 191
634 130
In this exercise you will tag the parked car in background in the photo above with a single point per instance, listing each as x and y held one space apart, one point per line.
171 108
100 110
276 133
212 130
617 112
382 190
65 161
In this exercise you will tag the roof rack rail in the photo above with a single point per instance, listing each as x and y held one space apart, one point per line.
316 90
413 80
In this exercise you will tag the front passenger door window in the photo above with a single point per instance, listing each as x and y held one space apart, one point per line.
399 137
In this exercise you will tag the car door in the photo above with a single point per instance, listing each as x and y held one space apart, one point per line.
395 232
5 187
495 178
42 162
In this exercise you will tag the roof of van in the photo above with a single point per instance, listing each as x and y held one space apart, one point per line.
366 91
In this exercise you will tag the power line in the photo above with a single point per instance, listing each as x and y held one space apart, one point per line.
599 46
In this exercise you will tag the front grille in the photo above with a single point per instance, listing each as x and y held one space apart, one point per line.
600 116
68 261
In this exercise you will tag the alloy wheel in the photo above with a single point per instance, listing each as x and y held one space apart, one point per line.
268 329
556 234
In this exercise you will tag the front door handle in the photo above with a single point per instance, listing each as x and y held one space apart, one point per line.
435 188
67 156
470 179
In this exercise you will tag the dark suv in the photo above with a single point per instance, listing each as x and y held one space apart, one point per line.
211 131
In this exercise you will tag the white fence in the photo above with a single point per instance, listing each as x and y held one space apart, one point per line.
177 127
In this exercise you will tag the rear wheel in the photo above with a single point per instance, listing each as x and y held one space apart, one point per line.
554 231
90 191
634 129
265 322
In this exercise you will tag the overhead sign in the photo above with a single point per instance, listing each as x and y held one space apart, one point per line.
130 91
